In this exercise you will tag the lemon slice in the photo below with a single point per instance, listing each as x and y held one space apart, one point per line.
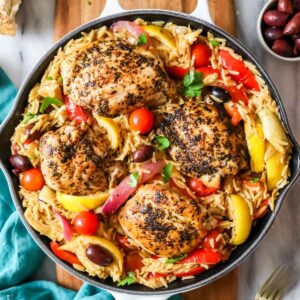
81 203
162 34
256 146
242 220
112 129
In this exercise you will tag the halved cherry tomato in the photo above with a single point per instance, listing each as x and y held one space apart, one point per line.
211 240
199 188
141 120
176 72
233 113
86 223
133 261
123 242
192 272
32 180
202 256
67 256
75 112
201 54
206 71
245 75
237 94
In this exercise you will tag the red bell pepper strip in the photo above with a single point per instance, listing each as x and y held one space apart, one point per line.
206 71
244 74
202 256
234 113
237 94
75 112
64 255
153 275
211 241
176 72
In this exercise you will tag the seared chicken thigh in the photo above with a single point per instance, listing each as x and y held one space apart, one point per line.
112 77
162 221
203 141
72 160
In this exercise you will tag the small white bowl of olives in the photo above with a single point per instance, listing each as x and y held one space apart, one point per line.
278 29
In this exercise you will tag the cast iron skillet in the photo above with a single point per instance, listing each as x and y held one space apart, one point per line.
178 286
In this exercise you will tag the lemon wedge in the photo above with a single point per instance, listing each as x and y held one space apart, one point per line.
112 129
274 168
256 146
242 220
81 203
162 34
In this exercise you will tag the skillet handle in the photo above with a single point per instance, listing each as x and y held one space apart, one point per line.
201 11
121 296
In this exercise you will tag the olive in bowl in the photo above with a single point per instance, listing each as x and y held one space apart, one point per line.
278 28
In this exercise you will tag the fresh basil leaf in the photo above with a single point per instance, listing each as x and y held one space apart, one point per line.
49 100
166 173
189 78
192 93
59 78
28 117
142 39
193 84
163 142
175 259
214 43
49 78
130 279
254 179
133 179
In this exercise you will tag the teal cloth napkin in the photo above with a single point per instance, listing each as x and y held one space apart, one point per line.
17 248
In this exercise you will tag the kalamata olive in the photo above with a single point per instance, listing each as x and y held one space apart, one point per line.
273 33
98 255
218 92
293 26
142 153
20 163
297 42
282 47
275 18
285 6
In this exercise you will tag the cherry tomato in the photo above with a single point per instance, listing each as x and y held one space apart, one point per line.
75 112
199 188
202 256
176 72
133 261
233 113
32 180
201 54
211 240
206 71
86 223
67 256
244 74
141 120
192 272
123 242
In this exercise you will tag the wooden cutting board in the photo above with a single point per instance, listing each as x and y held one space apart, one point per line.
70 14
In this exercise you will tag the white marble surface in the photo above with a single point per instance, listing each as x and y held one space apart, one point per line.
19 54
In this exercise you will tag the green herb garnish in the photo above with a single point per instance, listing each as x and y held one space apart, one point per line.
142 39
133 179
28 117
49 100
130 279
166 172
254 179
193 83
163 142
176 258
214 43
49 78
59 78
89 2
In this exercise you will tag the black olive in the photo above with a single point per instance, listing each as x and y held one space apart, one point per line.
20 163
220 93
98 255
142 153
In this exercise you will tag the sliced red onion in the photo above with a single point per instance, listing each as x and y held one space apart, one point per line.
68 232
122 192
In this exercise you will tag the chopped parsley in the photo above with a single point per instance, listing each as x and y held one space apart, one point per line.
28 117
89 2
133 179
49 100
254 179
130 279
214 43
59 78
49 78
163 142
166 172
176 258
142 39
192 83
